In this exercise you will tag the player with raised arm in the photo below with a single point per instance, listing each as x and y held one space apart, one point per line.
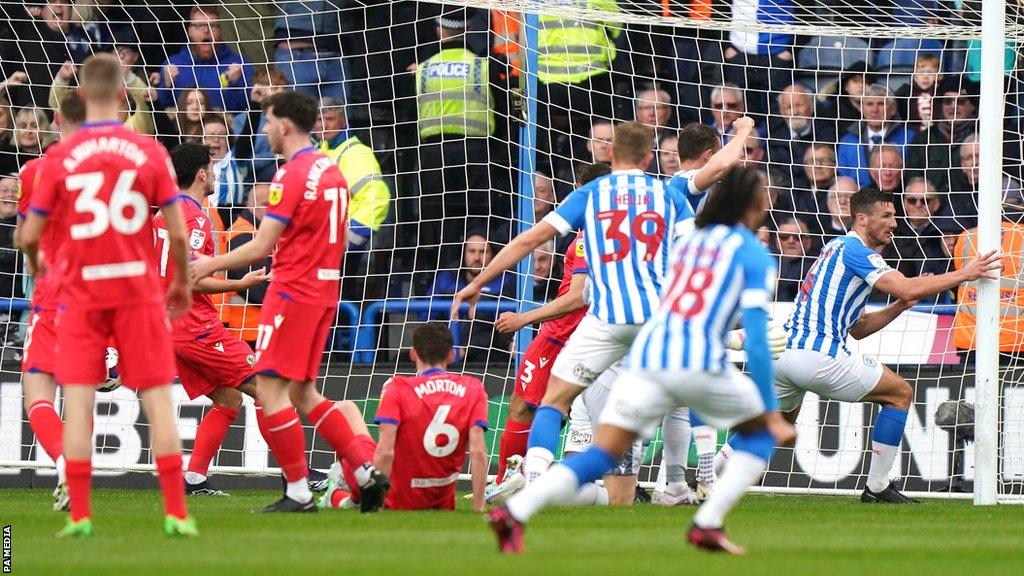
560 318
720 272
40 351
99 184
628 220
426 423
703 160
305 219
830 307
211 362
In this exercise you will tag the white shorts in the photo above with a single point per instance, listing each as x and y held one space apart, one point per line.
639 400
847 378
592 348
584 418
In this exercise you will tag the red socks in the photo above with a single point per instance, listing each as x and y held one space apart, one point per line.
79 479
172 484
209 437
513 441
288 443
47 427
332 426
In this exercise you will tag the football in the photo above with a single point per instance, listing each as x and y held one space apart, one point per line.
113 376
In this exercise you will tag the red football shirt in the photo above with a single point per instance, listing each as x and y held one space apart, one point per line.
45 293
310 196
434 412
203 316
101 183
575 263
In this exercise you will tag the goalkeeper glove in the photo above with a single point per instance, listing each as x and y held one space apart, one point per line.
777 338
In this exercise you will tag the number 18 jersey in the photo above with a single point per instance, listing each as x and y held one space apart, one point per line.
629 219
100 184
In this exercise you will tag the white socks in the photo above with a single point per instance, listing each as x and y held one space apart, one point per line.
194 478
299 491
363 474
536 463
743 470
591 494
705 440
60 465
558 486
676 434
722 457
882 458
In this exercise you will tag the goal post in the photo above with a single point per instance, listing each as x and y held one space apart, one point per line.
668 63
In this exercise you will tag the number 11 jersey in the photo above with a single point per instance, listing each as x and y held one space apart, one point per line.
629 220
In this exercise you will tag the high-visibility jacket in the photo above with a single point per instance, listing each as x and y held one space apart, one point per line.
243 320
453 96
505 40
1011 290
572 50
369 194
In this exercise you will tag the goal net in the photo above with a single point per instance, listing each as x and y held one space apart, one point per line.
845 94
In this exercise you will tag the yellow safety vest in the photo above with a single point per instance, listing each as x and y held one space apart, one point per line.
571 50
452 95
369 195
1011 291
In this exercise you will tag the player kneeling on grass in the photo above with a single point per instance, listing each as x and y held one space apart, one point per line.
720 270
426 423
211 362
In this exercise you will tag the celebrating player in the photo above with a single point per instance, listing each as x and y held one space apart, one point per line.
560 318
99 184
426 422
37 363
679 359
628 220
211 362
829 308
703 160
306 218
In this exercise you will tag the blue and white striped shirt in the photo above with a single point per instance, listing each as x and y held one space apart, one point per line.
228 187
717 272
629 219
833 295
683 182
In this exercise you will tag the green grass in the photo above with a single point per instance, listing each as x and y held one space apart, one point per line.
785 535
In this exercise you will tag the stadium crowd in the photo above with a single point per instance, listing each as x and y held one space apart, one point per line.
435 179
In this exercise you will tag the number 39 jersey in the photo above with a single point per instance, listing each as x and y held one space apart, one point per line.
717 271
100 184
310 196
434 412
629 219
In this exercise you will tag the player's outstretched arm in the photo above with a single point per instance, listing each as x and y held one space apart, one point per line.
564 305
253 251
221 286
520 247
478 466
896 284
384 457
31 232
179 293
726 158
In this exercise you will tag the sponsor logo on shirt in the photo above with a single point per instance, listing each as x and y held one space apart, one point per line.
197 239
276 193
877 261
579 248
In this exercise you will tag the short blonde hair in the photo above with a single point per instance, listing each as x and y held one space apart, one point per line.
102 77
632 142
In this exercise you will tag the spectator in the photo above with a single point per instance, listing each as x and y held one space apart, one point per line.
242 309
837 220
8 153
918 238
753 151
727 105
207 64
781 206
886 169
227 180
193 106
914 99
668 155
793 243
848 94
545 281
879 126
653 107
370 194
962 205
934 150
10 262
32 134
308 49
600 143
761 62
818 169
478 335
796 128
252 144
543 195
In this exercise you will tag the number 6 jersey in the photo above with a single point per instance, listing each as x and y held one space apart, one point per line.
310 196
629 219
101 184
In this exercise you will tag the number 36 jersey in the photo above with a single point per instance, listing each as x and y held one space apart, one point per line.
310 196
629 220
434 412
100 184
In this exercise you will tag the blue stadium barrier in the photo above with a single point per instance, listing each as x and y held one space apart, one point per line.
13 305
366 338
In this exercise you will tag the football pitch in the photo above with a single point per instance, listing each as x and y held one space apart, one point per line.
784 535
